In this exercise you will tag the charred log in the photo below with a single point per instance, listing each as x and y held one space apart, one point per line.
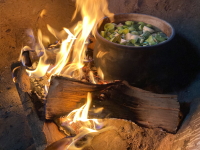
66 94
52 133
20 76
121 101
148 109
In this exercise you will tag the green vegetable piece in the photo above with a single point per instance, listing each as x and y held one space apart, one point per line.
120 31
103 34
109 27
111 36
133 41
149 25
145 44
125 31
107 38
160 37
140 40
139 32
151 40
134 33
136 26
124 26
119 28
146 34
137 45
112 31
129 44
129 23
131 28
141 27
142 23
107 34
111 40
117 39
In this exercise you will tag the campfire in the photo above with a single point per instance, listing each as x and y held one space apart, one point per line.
57 80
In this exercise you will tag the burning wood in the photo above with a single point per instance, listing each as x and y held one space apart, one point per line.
143 107
87 128
65 94
60 71
20 76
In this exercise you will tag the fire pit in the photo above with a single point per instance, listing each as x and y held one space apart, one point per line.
119 99
131 63
61 94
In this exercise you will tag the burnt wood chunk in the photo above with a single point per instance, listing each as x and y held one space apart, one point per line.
26 59
43 132
66 94
35 123
20 76
52 133
121 101
148 109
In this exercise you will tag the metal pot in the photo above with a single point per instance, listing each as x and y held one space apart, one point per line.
134 64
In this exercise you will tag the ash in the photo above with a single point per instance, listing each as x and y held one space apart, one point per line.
39 86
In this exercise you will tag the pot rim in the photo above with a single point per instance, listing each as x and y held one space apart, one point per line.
135 47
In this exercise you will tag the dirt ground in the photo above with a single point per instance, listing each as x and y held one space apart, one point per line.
17 16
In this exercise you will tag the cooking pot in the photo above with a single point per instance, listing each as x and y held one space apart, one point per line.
134 64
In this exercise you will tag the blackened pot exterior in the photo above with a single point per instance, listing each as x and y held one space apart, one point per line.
137 65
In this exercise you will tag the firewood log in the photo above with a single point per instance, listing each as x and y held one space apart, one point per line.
66 94
122 101
148 109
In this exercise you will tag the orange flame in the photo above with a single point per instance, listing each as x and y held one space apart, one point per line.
73 48
81 115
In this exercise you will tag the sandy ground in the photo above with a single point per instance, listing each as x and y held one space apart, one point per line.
17 16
